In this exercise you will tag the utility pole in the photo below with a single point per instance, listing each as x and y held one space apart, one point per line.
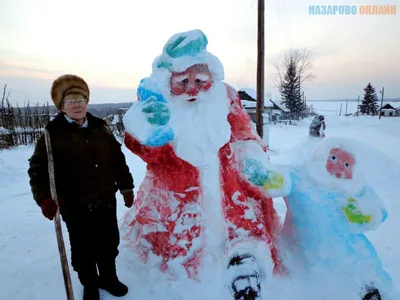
382 92
340 113
260 69
347 101
358 104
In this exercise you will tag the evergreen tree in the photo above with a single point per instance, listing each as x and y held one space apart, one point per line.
290 90
369 104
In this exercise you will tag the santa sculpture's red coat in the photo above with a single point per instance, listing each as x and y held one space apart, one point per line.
168 207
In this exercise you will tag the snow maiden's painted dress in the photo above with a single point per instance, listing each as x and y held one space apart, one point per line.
330 206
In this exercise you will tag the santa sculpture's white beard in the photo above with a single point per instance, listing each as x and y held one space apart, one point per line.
201 127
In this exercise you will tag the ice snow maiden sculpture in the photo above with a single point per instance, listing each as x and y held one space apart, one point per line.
193 207
330 206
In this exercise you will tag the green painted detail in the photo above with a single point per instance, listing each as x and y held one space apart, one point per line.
157 113
274 181
192 48
254 171
354 215
260 176
164 64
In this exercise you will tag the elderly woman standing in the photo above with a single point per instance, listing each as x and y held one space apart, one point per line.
89 169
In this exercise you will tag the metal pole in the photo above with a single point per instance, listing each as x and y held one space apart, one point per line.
57 221
382 92
260 69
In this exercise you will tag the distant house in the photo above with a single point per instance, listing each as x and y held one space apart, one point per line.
247 94
272 110
390 110
279 110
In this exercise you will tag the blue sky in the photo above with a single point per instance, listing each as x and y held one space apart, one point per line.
112 44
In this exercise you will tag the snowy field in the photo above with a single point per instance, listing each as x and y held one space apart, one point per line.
29 260
332 108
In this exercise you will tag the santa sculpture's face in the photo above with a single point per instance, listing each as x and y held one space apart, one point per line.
199 109
191 82
340 164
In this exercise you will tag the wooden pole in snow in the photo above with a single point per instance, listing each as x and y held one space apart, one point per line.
57 220
260 69
382 92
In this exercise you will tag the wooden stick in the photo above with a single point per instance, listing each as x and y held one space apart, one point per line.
57 221
382 92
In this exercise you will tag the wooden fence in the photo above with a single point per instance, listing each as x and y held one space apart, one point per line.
21 126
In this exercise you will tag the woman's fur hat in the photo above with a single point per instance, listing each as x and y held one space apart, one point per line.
68 84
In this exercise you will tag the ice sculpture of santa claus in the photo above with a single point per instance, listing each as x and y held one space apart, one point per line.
194 207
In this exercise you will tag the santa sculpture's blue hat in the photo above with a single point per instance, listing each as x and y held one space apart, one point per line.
186 49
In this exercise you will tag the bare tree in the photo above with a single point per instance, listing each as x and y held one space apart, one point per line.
4 94
303 60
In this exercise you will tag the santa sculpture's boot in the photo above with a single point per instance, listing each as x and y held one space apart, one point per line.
245 282
371 293
109 280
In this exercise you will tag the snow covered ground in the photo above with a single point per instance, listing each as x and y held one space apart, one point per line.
29 261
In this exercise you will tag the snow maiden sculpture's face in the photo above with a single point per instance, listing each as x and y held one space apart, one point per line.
340 164
194 80
334 165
